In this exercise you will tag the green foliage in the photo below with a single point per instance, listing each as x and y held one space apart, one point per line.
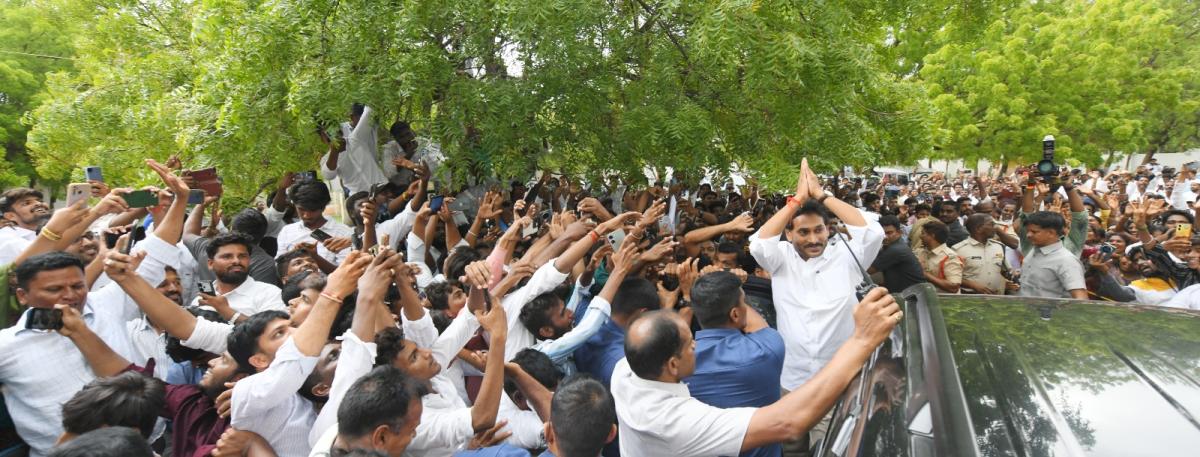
30 41
506 87
1101 76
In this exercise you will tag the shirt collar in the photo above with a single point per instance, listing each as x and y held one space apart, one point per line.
22 232
241 288
677 389
717 333
1050 249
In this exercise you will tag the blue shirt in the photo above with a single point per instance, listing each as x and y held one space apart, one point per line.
735 369
600 354
503 450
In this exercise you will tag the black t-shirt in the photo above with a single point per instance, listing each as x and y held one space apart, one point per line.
899 266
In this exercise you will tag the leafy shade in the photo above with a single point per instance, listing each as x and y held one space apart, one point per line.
506 87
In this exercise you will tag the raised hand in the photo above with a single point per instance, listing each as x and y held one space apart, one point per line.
380 274
743 223
652 215
615 223
660 251
875 317
122 267
175 183
815 191
344 280
802 182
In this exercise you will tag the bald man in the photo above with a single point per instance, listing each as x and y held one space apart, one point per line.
658 415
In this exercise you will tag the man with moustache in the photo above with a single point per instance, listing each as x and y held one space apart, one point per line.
238 295
24 213
813 287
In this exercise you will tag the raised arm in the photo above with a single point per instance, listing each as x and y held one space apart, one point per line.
778 222
744 223
487 403
104 361
311 336
165 313
798 411
170 229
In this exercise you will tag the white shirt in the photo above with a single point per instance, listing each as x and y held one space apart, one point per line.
661 419
267 403
427 152
296 233
145 343
208 336
814 299
13 241
41 370
357 165
355 361
526 427
445 419
252 297
1188 298
275 221
398 227
544 280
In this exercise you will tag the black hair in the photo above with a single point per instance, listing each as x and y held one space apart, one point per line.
582 413
243 340
105 442
890 221
1047 220
344 318
226 239
388 343
381 397
635 294
129 399
1178 212
352 206
728 247
947 204
713 296
180 353
536 314
869 197
460 257
938 230
50 261
281 263
811 207
11 196
922 207
975 221
663 341
251 223
438 293
309 195
538 365
357 109
397 129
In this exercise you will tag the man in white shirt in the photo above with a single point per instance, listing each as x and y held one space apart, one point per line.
310 199
237 295
42 369
269 402
405 151
658 415
24 214
814 286
356 166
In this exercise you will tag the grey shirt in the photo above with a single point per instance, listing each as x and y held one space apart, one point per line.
262 265
1051 272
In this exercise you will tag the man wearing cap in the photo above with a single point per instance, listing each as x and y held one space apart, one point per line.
24 214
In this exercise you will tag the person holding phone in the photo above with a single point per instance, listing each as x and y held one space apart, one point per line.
356 164
327 242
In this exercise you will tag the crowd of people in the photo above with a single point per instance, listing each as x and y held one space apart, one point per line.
540 317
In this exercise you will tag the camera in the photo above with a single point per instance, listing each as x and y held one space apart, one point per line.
1046 166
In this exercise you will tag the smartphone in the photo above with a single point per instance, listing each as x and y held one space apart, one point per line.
93 174
195 196
44 319
435 203
1183 231
320 235
206 287
615 238
138 234
375 190
140 199
77 192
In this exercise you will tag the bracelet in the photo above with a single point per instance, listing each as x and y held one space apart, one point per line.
595 236
791 200
50 235
469 232
331 298
235 317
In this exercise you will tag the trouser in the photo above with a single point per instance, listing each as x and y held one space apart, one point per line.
802 446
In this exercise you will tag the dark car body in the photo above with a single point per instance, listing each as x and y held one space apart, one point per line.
1004 376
